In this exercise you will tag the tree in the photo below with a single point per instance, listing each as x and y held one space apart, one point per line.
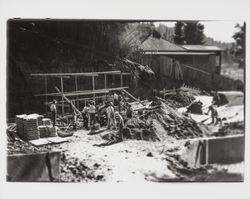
189 33
239 48
178 33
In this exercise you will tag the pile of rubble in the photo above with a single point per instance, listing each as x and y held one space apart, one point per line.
159 121
74 170
174 123
16 145
180 99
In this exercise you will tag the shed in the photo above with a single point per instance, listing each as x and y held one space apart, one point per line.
158 52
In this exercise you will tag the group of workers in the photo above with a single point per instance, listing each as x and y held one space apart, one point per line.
115 109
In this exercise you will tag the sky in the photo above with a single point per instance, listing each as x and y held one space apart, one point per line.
218 30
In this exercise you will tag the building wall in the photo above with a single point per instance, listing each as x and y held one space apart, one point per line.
160 64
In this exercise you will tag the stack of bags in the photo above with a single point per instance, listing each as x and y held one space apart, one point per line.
46 129
27 126
19 124
30 126
47 122
34 126
44 132
52 131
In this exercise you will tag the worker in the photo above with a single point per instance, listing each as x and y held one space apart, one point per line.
129 111
74 120
120 99
110 98
111 116
92 110
53 110
214 114
120 124
116 102
85 116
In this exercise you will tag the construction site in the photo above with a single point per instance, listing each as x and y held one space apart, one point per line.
106 101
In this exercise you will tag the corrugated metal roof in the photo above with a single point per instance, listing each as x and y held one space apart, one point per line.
154 44
201 48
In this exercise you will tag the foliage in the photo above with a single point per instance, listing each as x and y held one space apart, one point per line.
238 50
189 33
166 32
178 33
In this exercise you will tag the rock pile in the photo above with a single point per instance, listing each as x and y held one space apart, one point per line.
180 99
160 121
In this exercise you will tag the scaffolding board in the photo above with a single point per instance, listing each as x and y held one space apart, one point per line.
76 93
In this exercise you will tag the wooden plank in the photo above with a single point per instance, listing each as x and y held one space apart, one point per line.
196 69
62 96
79 99
93 85
121 80
46 91
74 74
129 95
122 74
84 92
76 88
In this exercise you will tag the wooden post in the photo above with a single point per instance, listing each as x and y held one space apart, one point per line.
46 97
93 84
62 96
76 87
121 80
207 152
105 84
219 71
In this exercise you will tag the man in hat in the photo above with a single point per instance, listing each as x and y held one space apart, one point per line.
92 111
53 110
120 124
214 114
110 116
85 116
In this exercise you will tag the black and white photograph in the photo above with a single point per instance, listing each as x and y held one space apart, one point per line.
101 100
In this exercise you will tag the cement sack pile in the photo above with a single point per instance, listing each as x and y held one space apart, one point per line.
46 122
38 117
30 126
47 131
27 126
19 124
